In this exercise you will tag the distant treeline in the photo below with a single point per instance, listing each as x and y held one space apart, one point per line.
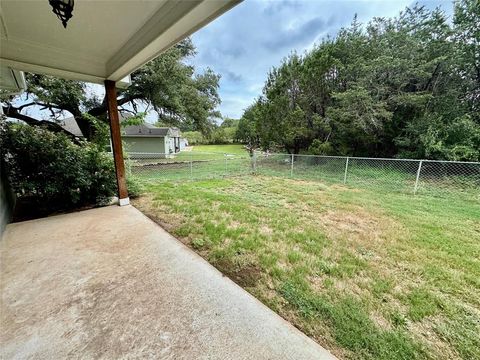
225 133
403 87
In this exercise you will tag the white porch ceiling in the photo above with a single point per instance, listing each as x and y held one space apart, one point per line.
104 39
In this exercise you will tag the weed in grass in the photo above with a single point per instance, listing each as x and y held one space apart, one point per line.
398 319
198 243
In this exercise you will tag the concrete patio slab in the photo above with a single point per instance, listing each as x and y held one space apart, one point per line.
109 283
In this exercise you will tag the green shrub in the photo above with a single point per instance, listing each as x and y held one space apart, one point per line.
223 135
218 136
194 137
319 147
52 172
134 186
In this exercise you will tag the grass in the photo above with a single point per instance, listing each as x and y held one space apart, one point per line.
202 162
369 274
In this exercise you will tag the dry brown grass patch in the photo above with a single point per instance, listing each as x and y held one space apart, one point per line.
425 330
161 214
380 321
266 230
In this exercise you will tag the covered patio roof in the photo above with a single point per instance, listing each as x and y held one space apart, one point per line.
104 40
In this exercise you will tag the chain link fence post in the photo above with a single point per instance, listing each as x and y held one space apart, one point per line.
254 162
225 157
418 177
191 165
346 171
291 167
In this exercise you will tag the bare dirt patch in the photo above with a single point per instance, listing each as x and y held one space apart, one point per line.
369 235
245 275
234 224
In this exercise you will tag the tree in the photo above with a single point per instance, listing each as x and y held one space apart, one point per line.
248 130
407 87
229 123
166 85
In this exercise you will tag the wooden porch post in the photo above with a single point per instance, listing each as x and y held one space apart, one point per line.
111 95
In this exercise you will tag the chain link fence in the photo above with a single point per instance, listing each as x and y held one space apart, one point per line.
400 175
404 175
187 165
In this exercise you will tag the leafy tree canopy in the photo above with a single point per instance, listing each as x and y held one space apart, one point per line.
402 87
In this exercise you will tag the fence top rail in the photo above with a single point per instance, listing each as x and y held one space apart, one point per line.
372 158
184 153
306 155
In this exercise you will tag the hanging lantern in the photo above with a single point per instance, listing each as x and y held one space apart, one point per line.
63 9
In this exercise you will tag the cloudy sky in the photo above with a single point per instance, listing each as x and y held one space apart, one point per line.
243 44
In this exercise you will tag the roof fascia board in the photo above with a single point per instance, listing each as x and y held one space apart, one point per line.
162 20
40 69
65 74
19 80
18 85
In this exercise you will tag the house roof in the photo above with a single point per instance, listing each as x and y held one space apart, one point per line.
70 125
103 39
144 130
148 130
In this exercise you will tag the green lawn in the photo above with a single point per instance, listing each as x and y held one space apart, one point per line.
200 164
369 274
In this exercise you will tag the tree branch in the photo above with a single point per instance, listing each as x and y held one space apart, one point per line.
100 110
126 110
45 106
13 112
20 108
434 75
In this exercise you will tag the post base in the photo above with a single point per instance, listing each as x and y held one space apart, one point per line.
123 202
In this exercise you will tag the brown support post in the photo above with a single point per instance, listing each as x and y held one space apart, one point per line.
111 95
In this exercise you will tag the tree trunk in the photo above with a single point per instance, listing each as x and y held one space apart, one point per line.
85 127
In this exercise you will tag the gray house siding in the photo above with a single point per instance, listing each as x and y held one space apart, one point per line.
145 144
150 140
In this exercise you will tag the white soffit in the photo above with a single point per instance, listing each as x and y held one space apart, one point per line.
103 40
